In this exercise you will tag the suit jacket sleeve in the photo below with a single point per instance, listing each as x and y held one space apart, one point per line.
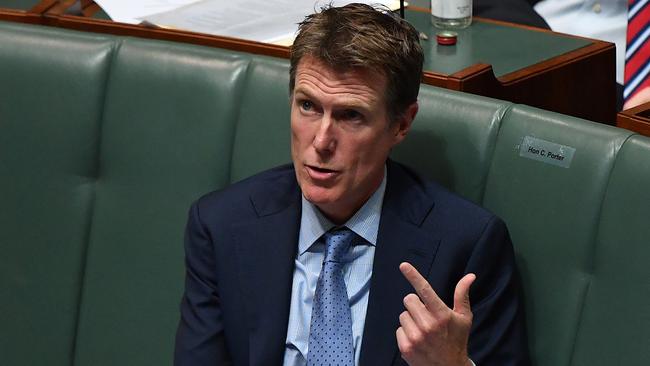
498 335
514 11
200 335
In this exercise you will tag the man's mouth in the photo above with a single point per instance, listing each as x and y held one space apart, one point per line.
320 173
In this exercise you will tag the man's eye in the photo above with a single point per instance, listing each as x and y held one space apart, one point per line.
351 115
306 105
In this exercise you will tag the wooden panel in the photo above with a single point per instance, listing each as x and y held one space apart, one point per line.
122 29
579 83
636 119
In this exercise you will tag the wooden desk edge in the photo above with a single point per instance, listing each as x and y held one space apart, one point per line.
473 79
633 119
575 56
43 6
20 16
54 14
596 46
123 29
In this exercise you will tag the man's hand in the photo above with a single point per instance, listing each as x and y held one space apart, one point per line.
430 332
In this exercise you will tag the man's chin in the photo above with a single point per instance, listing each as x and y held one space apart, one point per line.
320 196
318 199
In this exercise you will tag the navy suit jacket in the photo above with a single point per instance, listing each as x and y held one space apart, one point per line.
241 243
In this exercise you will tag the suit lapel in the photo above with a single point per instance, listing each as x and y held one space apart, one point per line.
400 239
267 247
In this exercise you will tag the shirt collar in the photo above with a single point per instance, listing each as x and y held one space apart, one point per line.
365 222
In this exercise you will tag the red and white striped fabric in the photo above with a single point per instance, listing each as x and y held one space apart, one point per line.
637 54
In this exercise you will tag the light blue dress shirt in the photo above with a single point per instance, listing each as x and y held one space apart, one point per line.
356 271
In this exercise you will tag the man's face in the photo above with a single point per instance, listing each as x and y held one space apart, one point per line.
341 136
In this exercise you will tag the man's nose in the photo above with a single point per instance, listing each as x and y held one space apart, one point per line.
324 141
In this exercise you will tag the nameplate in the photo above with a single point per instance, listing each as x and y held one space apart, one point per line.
546 152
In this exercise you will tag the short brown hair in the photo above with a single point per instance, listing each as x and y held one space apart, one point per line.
363 36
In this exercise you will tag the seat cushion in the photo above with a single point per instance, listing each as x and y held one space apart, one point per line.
262 139
614 326
166 138
51 95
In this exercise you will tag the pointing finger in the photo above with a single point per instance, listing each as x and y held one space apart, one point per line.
422 287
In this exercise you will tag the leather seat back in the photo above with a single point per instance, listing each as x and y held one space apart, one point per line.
553 213
51 98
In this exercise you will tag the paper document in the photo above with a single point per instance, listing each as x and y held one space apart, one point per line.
269 21
130 11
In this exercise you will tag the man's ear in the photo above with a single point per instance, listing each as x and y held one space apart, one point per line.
404 122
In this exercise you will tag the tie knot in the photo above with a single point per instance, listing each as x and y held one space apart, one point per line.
337 243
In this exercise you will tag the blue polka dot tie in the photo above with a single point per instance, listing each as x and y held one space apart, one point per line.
330 335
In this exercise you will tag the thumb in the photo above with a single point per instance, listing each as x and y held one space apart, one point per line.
461 294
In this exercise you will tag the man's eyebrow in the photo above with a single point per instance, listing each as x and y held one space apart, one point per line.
303 92
344 103
354 103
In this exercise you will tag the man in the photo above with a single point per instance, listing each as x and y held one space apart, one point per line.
345 257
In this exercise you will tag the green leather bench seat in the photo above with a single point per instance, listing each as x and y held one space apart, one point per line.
105 141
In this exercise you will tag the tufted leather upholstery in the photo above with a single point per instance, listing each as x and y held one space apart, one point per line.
105 141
